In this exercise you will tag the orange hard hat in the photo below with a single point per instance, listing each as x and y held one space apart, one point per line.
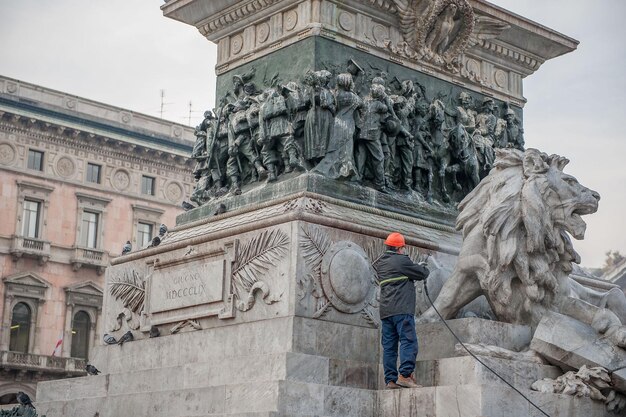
395 239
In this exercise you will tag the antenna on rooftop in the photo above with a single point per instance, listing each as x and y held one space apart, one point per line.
190 114
163 103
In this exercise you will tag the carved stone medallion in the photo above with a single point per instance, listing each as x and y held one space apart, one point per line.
347 277
11 88
125 117
501 78
7 154
262 32
291 20
346 21
236 44
120 180
65 167
173 192
380 33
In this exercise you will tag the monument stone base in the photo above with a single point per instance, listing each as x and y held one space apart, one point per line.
270 309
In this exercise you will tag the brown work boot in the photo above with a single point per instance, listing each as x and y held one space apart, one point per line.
392 385
407 382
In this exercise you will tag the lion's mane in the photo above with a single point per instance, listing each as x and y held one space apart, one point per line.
510 208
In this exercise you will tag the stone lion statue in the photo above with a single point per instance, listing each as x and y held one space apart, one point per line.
517 250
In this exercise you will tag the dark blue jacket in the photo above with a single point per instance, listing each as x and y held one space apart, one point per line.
396 276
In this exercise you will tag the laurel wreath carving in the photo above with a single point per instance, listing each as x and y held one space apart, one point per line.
254 260
130 289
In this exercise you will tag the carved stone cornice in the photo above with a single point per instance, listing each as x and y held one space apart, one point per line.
233 15
386 5
114 148
532 63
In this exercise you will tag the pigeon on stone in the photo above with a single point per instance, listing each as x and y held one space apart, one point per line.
156 241
162 230
24 400
154 331
126 337
91 370
127 247
109 340
221 209
187 206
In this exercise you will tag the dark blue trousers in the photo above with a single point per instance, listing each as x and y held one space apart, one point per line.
399 328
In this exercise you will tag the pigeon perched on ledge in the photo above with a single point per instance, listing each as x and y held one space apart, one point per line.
24 400
154 331
126 337
162 230
156 241
109 340
187 206
91 370
221 209
127 247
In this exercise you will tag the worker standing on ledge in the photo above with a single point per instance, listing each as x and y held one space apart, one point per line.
396 276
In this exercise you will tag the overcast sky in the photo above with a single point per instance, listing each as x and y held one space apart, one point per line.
124 52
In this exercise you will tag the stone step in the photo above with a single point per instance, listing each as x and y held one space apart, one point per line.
221 371
465 370
482 401
277 398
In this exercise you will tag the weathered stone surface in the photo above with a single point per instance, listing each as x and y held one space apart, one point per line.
570 344
481 401
467 371
66 389
335 340
435 341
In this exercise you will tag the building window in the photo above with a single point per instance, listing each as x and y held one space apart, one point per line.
89 230
81 329
147 185
20 328
93 173
144 234
35 160
30 219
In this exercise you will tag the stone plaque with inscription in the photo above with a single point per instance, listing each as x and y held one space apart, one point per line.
190 288
198 283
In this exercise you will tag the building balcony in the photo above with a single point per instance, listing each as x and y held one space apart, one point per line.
30 247
89 257
39 363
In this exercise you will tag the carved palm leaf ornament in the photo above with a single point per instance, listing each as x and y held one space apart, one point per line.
314 245
130 289
253 261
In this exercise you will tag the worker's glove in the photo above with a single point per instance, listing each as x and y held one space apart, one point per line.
423 263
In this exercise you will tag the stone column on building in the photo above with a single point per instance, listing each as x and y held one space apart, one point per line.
6 323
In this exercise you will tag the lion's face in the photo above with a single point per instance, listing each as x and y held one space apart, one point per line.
573 200
565 197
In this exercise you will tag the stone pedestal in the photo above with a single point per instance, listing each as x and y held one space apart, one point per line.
267 309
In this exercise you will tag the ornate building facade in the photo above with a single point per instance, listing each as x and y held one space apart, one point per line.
78 179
